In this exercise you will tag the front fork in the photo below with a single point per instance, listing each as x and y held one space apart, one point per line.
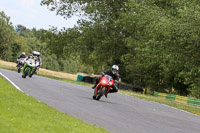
95 93
24 69
96 89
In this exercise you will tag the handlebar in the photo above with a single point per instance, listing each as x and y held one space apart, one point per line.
102 73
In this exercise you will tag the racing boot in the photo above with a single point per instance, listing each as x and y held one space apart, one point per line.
93 87
106 95
110 91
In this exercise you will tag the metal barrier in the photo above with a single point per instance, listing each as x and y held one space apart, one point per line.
177 98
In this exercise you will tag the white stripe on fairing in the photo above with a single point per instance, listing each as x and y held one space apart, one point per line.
11 82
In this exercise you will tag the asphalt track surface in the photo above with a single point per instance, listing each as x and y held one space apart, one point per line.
118 113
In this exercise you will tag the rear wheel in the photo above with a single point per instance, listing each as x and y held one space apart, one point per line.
30 75
33 72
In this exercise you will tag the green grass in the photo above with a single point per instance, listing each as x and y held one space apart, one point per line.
20 113
8 67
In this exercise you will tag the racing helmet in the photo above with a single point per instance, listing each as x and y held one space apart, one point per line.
23 53
115 69
36 53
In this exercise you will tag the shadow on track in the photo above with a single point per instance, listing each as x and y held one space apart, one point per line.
96 100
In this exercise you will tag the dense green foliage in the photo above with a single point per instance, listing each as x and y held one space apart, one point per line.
6 37
156 43
13 41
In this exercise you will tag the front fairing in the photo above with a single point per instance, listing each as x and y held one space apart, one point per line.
106 81
31 63
22 60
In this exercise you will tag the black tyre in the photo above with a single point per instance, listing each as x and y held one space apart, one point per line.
26 72
33 72
101 92
18 69
31 75
94 97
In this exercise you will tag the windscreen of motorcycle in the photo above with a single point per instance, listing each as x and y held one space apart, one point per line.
31 62
22 60
109 77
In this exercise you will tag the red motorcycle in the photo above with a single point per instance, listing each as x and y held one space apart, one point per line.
103 87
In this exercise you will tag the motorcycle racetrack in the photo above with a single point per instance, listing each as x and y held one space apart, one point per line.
118 113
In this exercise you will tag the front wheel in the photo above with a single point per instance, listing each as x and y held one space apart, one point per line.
94 97
18 69
26 72
101 91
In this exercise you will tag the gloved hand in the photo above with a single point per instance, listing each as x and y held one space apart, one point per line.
116 82
102 73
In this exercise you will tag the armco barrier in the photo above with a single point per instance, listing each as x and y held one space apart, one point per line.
155 93
162 95
86 79
181 99
80 78
177 98
125 86
170 97
89 79
194 101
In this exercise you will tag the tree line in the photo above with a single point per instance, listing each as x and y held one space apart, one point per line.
156 43
18 39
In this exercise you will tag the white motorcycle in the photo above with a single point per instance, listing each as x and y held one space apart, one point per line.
20 64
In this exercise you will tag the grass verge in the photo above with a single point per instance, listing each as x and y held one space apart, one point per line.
20 113
8 67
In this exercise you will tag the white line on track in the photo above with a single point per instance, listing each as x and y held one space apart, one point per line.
11 82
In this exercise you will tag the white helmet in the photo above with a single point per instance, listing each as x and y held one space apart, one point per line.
115 68
23 53
36 53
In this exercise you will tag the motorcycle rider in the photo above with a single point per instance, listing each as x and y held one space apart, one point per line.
29 57
37 57
23 55
113 72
